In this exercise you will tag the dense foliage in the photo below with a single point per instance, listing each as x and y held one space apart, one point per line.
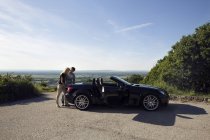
135 78
16 87
187 65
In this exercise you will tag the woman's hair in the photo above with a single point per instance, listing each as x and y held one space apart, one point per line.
66 70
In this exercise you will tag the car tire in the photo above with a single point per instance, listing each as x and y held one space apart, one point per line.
151 102
82 101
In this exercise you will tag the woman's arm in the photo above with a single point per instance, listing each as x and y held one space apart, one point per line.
62 79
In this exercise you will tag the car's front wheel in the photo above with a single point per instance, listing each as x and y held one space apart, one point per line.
82 102
150 102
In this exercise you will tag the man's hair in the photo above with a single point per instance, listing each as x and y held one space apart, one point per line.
73 68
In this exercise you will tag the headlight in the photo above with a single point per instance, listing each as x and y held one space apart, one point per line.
162 92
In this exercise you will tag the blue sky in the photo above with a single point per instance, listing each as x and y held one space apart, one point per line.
94 34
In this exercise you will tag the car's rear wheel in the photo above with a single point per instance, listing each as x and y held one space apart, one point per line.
150 102
82 102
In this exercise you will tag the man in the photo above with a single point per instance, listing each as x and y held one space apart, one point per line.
71 76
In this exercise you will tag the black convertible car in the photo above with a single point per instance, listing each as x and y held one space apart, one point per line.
118 92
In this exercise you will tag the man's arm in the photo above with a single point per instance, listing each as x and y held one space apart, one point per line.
73 80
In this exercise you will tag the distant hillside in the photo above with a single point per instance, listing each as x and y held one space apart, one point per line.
187 65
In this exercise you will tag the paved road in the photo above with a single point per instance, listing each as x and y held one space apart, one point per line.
39 118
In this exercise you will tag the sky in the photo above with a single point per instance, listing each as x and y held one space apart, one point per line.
94 34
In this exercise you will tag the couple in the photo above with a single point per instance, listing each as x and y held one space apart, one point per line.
66 77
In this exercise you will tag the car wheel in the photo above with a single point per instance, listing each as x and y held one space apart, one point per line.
150 102
82 102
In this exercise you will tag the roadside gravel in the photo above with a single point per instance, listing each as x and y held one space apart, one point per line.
39 118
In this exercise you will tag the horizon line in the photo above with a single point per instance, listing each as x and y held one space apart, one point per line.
10 70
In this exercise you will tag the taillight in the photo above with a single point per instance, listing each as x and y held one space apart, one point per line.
69 89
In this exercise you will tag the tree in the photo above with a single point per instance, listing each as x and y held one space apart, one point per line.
187 65
135 78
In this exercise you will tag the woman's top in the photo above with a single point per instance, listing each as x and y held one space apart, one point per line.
62 79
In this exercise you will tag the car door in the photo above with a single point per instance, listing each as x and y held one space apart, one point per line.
115 94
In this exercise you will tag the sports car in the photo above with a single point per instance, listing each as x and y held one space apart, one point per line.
116 92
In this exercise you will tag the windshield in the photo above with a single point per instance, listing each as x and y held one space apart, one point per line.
121 80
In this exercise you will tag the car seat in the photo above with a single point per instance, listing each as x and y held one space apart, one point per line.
94 81
99 85
101 81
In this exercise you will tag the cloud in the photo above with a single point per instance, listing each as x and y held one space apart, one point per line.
19 51
119 29
97 39
16 16
29 40
26 41
113 23
135 27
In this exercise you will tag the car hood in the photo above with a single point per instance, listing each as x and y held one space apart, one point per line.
146 86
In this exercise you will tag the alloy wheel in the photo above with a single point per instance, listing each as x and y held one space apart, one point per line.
151 102
82 102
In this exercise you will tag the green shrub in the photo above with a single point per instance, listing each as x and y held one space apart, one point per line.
15 87
135 78
43 84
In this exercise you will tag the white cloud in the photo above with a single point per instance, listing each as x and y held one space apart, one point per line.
26 43
16 16
119 29
113 23
19 51
135 27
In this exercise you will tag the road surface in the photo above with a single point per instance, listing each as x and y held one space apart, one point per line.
39 118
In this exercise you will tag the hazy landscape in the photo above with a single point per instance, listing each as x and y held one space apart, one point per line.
51 76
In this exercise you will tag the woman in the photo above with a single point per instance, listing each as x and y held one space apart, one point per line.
61 85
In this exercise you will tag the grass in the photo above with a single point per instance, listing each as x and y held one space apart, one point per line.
46 88
175 91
